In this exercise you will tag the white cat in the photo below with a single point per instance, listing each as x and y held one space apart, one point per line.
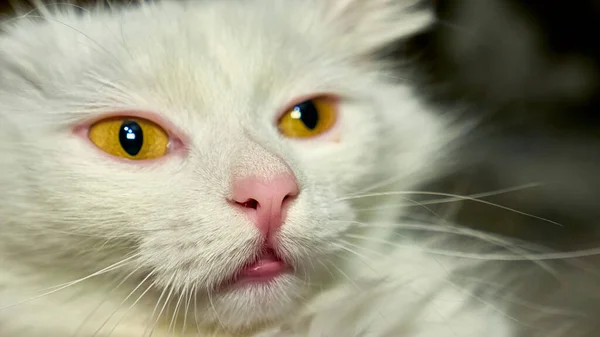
196 169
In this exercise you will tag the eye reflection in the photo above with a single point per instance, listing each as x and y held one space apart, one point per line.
309 118
130 138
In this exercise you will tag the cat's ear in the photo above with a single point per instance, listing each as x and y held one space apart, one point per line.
371 24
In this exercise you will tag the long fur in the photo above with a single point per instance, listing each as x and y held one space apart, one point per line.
91 246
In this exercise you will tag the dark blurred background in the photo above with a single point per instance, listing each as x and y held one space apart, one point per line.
529 71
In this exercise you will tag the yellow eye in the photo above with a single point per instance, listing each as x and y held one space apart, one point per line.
309 118
130 138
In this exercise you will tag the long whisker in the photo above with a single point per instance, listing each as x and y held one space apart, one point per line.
59 4
475 195
158 303
187 308
519 301
195 292
527 253
485 302
105 299
214 309
345 275
446 229
327 269
449 200
123 302
176 313
450 195
110 268
172 287
360 256
99 235
131 307
379 184
493 257
478 298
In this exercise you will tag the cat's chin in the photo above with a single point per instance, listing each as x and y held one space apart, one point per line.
265 290
249 303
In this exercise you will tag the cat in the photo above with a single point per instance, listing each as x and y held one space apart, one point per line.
205 168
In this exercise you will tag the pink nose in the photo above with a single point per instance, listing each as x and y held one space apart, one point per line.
265 200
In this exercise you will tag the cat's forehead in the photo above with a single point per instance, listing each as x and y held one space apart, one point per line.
205 53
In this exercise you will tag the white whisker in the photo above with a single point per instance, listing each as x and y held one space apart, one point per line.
520 301
214 309
105 299
398 193
123 302
189 293
493 257
345 275
194 291
172 324
162 293
172 287
131 307
110 268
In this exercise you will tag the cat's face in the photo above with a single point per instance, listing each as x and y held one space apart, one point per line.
258 119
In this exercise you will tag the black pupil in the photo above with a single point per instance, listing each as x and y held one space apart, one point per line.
131 137
307 112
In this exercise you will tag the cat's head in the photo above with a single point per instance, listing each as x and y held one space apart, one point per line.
197 138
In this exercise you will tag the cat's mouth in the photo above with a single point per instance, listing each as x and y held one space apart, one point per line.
264 268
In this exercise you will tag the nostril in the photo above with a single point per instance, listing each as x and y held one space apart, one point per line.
289 197
250 203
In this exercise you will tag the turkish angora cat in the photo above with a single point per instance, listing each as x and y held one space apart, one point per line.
195 168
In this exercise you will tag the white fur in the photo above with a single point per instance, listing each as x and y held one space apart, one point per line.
218 71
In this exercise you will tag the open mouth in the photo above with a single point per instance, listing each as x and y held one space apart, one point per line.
266 267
